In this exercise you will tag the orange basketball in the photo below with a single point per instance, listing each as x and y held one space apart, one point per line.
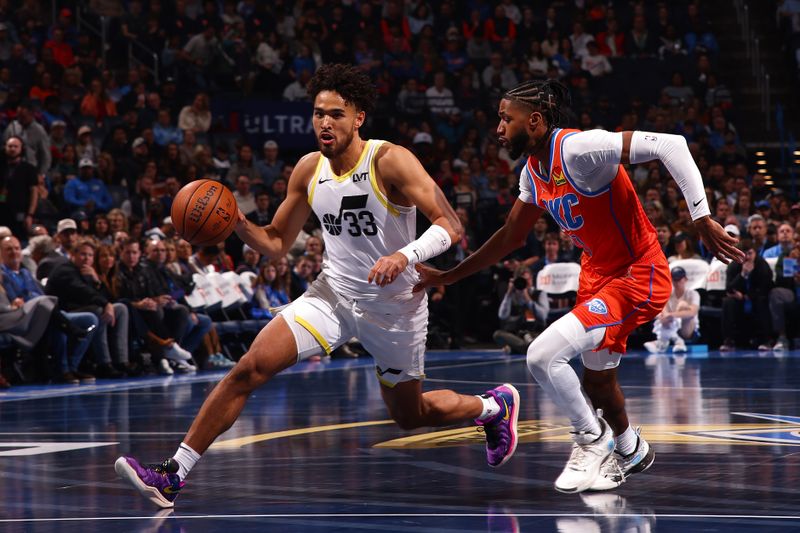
204 212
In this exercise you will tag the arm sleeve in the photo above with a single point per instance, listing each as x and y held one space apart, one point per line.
592 158
673 152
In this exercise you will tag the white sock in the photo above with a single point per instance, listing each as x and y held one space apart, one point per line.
626 441
490 407
186 458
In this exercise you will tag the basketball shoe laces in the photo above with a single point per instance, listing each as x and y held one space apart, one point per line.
581 455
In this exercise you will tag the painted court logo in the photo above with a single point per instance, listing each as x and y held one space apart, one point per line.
597 306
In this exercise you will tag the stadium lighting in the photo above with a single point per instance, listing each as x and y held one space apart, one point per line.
762 170
759 154
761 162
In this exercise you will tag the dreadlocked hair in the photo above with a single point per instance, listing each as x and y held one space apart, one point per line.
550 97
349 81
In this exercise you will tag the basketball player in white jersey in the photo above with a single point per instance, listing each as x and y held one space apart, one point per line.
366 194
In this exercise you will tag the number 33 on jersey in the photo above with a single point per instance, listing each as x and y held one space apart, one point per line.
359 223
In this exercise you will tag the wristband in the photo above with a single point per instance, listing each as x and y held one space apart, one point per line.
434 241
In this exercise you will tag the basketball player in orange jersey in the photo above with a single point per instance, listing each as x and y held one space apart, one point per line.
366 193
579 179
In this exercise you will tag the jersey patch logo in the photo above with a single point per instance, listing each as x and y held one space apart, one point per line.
597 306
558 176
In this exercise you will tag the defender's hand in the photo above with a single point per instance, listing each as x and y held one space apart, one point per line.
429 277
387 268
722 245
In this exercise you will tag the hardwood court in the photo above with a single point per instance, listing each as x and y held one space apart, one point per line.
314 451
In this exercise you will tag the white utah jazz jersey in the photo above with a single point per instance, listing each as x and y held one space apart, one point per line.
360 226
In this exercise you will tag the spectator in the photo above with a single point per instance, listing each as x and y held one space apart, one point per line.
301 276
262 214
496 68
271 165
611 42
157 312
440 97
580 40
22 289
499 26
164 132
67 237
165 283
78 286
250 260
684 248
196 117
297 90
97 104
244 166
85 148
34 138
20 182
244 198
87 191
757 231
747 289
595 63
783 298
679 321
785 244
523 313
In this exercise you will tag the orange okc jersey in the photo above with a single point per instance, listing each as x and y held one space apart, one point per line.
606 220
624 280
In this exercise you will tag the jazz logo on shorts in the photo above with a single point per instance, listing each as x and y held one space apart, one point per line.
597 306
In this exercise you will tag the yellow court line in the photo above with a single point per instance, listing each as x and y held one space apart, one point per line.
244 441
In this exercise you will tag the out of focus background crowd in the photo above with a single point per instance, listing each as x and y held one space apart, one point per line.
109 107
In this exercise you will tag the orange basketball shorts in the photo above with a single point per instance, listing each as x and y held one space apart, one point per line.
623 302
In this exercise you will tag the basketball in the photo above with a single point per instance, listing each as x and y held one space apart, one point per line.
204 212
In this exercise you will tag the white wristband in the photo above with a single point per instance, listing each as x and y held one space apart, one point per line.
674 154
434 241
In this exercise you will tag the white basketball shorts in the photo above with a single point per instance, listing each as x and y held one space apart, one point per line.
393 332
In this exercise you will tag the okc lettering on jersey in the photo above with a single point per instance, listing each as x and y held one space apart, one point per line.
560 209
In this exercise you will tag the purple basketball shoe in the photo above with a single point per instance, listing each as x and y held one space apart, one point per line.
158 483
501 430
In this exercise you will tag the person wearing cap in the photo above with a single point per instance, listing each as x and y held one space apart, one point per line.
271 165
33 135
250 259
21 189
66 237
85 148
745 308
87 192
679 320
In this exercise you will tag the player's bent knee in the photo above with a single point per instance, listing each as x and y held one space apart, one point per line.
538 357
247 375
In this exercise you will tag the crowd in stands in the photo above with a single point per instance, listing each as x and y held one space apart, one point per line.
95 149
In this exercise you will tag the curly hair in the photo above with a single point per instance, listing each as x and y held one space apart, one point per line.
352 83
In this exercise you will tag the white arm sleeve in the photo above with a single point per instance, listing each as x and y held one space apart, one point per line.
673 152
591 158
434 241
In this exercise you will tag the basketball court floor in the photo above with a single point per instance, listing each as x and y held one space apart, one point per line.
314 451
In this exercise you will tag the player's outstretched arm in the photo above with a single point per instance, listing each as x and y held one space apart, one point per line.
673 152
275 239
505 240
400 170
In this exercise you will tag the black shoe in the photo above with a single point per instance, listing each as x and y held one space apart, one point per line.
108 371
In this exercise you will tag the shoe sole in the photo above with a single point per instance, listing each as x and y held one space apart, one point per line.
126 472
514 419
